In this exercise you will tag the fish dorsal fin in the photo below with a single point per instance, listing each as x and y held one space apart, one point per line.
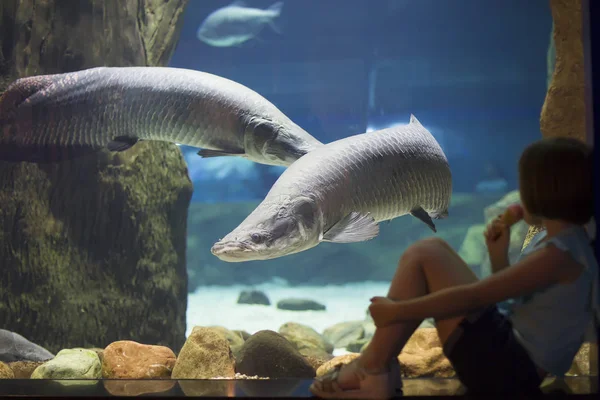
354 227
238 3
414 120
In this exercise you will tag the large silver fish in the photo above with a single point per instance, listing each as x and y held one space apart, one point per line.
53 117
236 23
340 191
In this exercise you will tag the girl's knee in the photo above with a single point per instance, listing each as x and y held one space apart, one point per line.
428 244
426 247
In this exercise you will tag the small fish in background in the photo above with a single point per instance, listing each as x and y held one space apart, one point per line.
236 24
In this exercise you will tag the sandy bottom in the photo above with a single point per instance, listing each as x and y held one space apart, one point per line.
216 305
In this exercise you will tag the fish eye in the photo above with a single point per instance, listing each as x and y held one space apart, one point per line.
257 238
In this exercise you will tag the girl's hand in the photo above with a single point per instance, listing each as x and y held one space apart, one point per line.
497 239
383 311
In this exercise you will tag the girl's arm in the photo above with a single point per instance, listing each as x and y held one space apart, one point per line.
539 270
499 263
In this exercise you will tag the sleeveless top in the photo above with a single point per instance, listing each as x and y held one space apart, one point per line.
551 323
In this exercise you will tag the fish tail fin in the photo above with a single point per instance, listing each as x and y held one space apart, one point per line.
20 90
276 8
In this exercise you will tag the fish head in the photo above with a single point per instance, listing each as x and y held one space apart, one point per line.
267 142
272 230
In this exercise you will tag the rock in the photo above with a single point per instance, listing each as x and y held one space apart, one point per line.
70 364
304 338
137 388
253 297
127 359
14 347
582 364
98 351
345 359
473 249
318 359
368 329
6 372
357 345
493 210
344 333
422 356
235 339
299 305
24 369
364 342
269 354
243 334
205 355
316 353
93 250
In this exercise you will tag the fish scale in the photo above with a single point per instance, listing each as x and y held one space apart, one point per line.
92 107
340 191
385 173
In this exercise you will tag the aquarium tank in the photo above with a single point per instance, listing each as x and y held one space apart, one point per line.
244 199
342 68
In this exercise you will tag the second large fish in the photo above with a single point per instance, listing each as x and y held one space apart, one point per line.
340 191
53 117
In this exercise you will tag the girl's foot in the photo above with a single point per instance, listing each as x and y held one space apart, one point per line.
353 379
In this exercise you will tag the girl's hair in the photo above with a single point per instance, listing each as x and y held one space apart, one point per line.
555 179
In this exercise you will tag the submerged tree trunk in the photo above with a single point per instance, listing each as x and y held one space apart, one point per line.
563 112
93 250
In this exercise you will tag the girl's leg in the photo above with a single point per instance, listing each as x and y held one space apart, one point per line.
425 267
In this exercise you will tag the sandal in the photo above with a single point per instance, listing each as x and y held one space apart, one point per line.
383 385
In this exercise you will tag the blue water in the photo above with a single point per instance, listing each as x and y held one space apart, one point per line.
472 71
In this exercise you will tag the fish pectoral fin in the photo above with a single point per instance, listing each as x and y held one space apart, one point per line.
354 227
421 214
207 153
276 27
121 143
439 215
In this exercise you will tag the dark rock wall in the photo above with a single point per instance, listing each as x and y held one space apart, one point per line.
93 250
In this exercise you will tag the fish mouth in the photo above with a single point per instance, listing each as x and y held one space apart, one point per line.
233 251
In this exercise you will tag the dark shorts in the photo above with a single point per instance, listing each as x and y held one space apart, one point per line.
488 358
